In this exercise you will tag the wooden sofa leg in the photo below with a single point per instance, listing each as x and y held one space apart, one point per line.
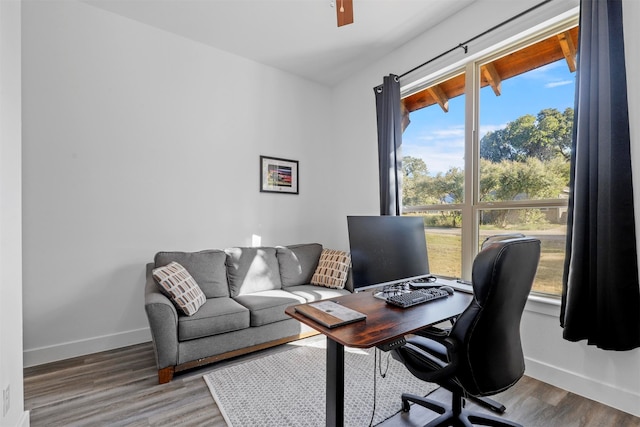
165 375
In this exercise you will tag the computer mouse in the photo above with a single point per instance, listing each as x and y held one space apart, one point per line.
449 289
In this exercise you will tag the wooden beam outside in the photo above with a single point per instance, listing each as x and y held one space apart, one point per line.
344 9
441 98
568 49
493 77
452 88
405 116
516 63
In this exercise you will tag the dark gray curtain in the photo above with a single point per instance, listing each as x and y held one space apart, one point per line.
601 295
389 141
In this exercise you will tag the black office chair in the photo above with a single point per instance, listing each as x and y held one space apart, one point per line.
481 354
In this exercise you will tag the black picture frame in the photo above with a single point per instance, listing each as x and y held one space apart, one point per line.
278 175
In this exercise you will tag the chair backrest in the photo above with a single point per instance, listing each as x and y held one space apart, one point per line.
499 238
488 331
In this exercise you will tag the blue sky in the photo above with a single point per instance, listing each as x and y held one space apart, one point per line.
438 137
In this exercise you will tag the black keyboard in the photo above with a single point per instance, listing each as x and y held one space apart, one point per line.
417 296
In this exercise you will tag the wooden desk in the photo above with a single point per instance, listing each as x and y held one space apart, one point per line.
384 323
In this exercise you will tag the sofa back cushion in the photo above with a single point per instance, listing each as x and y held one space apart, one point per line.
298 263
252 270
206 267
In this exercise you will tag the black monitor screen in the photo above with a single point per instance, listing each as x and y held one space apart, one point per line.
386 249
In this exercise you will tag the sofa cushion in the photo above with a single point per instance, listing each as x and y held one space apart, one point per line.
206 267
252 270
216 316
178 284
332 270
268 306
298 263
315 293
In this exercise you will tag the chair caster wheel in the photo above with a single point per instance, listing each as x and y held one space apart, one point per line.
405 406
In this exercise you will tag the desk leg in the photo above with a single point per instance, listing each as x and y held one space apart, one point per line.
335 383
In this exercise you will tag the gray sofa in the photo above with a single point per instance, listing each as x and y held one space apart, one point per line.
247 291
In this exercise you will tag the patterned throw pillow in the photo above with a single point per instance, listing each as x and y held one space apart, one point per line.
332 270
180 286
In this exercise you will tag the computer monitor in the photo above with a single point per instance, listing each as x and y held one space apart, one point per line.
386 250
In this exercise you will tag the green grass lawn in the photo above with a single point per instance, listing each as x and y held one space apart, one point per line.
445 254
445 257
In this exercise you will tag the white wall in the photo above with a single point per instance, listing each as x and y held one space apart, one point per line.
10 218
609 377
135 141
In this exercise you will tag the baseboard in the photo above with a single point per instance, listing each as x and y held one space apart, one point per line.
42 355
608 394
24 420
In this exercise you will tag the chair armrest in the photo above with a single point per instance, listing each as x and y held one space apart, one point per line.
433 333
447 349
163 322
426 366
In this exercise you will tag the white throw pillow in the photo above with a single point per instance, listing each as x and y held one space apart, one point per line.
181 287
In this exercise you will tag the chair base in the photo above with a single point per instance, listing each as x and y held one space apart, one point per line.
454 415
488 403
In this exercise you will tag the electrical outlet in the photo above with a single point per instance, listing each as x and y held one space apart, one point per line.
6 400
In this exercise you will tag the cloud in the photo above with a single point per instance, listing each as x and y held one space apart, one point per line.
548 74
441 149
453 132
542 72
551 85
484 129
437 159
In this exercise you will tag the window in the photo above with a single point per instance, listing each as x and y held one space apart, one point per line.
487 152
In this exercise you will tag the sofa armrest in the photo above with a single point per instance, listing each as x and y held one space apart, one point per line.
163 322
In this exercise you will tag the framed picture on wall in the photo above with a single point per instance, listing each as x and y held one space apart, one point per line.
278 175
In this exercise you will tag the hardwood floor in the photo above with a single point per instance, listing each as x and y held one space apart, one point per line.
119 388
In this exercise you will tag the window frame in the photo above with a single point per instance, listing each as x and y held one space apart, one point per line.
471 207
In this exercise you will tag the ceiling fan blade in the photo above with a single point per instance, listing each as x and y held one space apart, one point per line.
344 9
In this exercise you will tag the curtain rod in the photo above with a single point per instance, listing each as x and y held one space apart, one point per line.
464 46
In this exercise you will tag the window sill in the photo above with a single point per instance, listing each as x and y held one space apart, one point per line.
544 305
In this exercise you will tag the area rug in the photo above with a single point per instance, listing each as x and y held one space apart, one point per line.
288 388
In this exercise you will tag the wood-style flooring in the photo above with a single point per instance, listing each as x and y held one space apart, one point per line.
120 388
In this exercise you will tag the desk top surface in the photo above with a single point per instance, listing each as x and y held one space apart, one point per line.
385 322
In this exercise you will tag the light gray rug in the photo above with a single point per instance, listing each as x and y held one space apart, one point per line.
288 388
